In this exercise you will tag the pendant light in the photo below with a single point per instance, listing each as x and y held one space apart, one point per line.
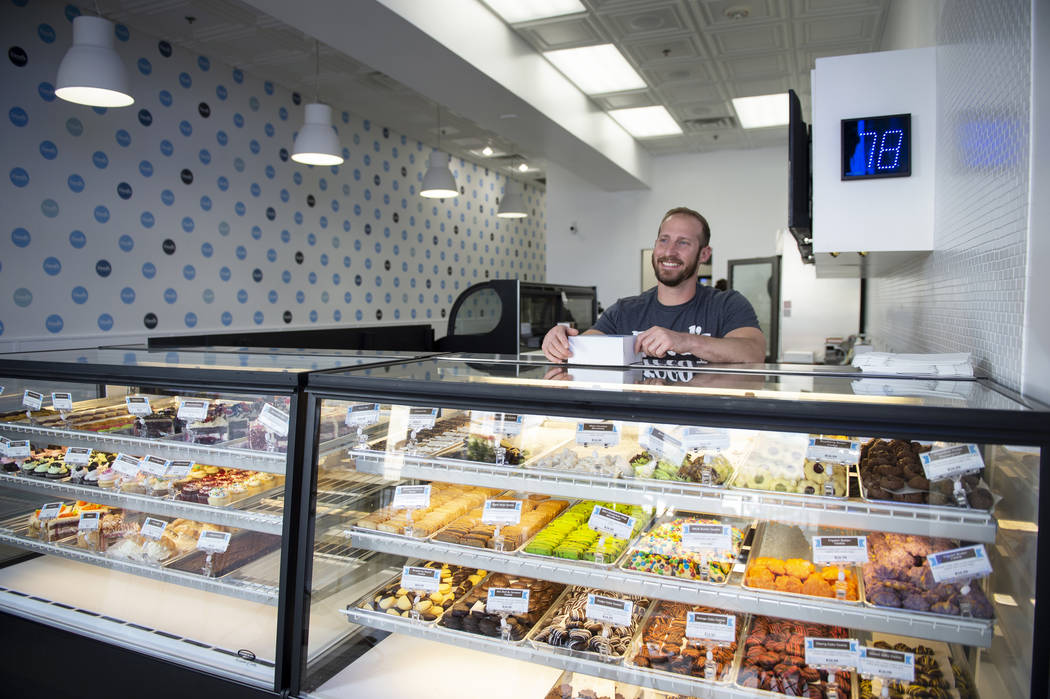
513 204
438 182
91 73
317 142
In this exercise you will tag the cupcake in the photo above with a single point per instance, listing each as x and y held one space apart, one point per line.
218 497
253 484
42 468
107 478
237 491
57 470
91 478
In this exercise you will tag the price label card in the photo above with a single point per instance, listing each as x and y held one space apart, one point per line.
62 401
411 497
50 510
611 522
501 512
508 600
837 451
960 564
422 418
706 537
213 541
496 424
128 465
154 465
421 579
274 420
832 550
89 521
714 627
179 469
951 461
192 409
831 652
890 664
138 405
32 399
705 438
609 610
4 444
77 455
659 442
362 415
597 434
153 528
18 448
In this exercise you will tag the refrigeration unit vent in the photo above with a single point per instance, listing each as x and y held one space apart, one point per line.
707 123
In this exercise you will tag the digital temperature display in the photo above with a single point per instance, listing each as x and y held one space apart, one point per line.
876 147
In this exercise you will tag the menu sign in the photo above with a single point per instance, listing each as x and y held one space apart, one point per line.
179 469
659 442
153 528
496 424
154 465
89 521
128 465
17 448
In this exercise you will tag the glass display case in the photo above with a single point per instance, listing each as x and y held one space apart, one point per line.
144 499
670 530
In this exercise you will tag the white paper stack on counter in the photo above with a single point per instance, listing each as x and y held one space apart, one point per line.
911 388
941 365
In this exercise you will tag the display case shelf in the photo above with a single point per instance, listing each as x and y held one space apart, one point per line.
977 632
239 589
921 520
267 523
270 462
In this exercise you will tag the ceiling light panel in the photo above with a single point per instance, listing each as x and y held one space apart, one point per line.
646 122
515 11
597 70
761 111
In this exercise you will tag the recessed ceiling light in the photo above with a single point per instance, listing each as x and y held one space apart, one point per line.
762 110
524 167
596 69
646 122
514 11
487 151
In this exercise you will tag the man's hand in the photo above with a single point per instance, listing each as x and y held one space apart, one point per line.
657 342
556 343
743 345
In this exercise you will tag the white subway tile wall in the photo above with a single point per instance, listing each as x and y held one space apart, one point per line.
184 213
968 295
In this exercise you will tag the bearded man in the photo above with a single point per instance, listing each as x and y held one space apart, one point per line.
679 315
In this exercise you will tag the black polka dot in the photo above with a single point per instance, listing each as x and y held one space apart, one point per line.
298 257
187 176
150 321
18 56
168 246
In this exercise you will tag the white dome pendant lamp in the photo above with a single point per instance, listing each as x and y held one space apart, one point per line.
438 182
317 142
512 205
91 73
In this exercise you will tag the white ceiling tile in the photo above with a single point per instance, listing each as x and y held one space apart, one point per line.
806 8
626 100
749 67
669 49
718 13
757 39
645 20
564 33
837 30
685 93
686 71
769 86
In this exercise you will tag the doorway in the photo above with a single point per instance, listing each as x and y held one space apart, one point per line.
758 279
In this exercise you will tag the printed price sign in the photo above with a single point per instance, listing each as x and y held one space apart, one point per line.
891 664
837 451
507 600
421 579
831 652
421 418
362 415
701 537
17 448
951 461
62 401
138 405
153 528
154 465
705 438
192 410
4 444
411 497
714 627
496 424
659 442
832 550
179 469
213 541
611 522
501 512
597 433
89 521
274 420
960 564
32 399
50 510
128 465
77 455
609 610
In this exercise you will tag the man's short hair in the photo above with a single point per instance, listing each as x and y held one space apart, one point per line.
695 214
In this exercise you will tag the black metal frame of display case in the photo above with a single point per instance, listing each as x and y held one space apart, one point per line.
1029 428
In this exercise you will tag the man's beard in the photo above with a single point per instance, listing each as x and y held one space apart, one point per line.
684 273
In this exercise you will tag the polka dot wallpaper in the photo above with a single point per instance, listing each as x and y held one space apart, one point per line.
184 212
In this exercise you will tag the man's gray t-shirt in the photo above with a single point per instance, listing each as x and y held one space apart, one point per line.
710 312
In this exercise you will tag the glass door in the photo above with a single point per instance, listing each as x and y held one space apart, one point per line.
758 279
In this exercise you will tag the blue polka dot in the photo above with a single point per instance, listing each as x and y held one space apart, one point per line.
19 117
224 274
206 203
190 320
46 91
149 270
300 297
48 150
347 297
269 130
221 137
283 114
101 213
19 177
311 239
238 120
285 236
147 220
241 252
189 272
20 237
270 172
105 322
203 63
49 207
166 148
272 296
226 318
255 189
298 218
121 32
146 168
185 80
185 128
77 239
222 183
54 323
126 243
208 296
256 233
358 315
312 277
167 197
170 295
242 296
22 297
187 224
100 160
205 156
165 98
257 317
46 33
127 295
207 250
313 316
286 276
75 183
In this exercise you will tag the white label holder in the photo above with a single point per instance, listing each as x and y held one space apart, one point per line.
831 652
138 405
963 563
274 420
604 434
192 409
62 402
420 579
153 528
836 451
835 550
707 537
507 600
32 399
890 664
611 522
609 610
950 462
720 628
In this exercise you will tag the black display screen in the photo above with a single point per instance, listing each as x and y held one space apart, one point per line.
875 147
